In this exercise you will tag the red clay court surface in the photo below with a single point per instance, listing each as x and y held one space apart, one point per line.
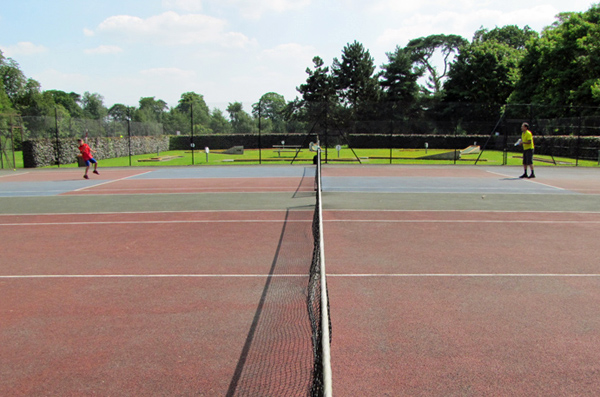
442 281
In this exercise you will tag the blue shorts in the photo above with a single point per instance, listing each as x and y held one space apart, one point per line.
90 161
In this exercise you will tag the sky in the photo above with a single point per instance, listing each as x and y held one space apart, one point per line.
228 50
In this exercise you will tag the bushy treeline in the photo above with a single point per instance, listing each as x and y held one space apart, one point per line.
554 71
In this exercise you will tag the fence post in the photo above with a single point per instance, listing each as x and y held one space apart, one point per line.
129 137
391 141
259 131
192 144
57 141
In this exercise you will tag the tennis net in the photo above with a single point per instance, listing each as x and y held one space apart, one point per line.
318 300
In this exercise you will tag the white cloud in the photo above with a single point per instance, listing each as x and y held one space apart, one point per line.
184 5
168 73
464 23
54 79
88 32
23 48
289 53
104 49
255 9
171 28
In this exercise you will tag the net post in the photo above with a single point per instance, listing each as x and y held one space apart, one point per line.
325 335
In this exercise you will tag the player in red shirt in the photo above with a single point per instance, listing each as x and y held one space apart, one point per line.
86 155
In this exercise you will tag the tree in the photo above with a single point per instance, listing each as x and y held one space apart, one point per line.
196 101
5 104
511 35
13 79
399 78
241 122
151 110
422 51
33 102
319 85
561 68
270 108
93 106
70 102
120 112
400 90
486 71
218 122
355 81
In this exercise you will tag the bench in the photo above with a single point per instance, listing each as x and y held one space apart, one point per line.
287 148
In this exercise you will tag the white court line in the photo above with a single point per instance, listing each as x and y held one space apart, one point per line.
455 221
54 276
159 222
148 212
22 173
528 180
109 193
162 189
466 275
468 211
166 222
366 275
295 210
111 181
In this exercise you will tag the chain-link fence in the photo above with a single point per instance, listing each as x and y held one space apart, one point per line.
391 127
9 131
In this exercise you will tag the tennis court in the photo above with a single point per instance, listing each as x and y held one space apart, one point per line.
441 280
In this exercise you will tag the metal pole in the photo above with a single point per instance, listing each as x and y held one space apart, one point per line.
1 157
57 141
192 144
259 131
12 146
391 139
129 137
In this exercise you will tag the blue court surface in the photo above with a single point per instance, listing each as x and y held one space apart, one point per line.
395 179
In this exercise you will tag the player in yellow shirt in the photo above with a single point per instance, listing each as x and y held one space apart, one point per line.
527 142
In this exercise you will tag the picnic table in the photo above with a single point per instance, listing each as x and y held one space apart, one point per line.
287 148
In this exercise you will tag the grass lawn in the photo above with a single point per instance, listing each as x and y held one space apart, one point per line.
345 156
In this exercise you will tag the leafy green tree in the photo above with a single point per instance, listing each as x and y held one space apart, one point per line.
196 101
120 112
270 109
69 101
318 93
218 123
561 67
423 50
241 122
33 102
151 110
93 106
400 90
175 121
13 79
355 80
511 35
5 104
486 71
399 78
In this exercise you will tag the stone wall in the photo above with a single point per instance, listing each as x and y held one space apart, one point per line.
45 152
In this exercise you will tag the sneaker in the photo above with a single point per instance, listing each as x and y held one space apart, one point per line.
86 177
96 172
531 176
523 176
